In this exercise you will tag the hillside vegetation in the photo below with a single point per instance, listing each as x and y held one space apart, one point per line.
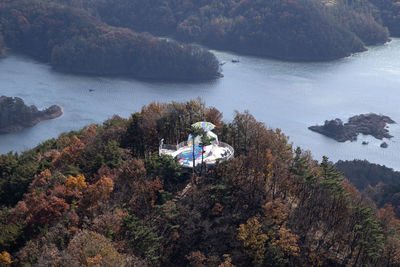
76 36
390 13
103 197
306 30
377 182
74 41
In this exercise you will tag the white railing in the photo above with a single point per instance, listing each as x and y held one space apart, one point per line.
231 153
170 149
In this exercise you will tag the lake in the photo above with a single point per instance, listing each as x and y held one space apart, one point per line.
290 96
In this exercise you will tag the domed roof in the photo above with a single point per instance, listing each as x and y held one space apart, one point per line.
207 126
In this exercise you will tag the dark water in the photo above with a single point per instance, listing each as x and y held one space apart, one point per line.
290 96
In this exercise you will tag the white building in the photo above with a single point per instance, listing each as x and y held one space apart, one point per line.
208 154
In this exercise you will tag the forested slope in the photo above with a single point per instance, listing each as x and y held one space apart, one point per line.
390 12
75 35
72 40
293 30
103 197
377 182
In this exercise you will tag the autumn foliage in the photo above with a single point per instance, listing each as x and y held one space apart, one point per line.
76 183
103 197
5 258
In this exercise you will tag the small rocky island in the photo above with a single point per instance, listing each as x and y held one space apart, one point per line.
16 116
367 124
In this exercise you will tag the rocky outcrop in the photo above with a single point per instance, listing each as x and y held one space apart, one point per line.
367 124
384 145
16 116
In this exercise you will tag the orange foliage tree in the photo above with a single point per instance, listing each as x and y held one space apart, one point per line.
76 183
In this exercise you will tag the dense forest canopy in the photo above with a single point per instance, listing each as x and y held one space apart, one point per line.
103 197
287 29
76 35
74 41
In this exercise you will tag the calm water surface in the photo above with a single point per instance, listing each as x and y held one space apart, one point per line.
290 96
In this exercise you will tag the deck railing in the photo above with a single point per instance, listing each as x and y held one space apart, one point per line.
231 153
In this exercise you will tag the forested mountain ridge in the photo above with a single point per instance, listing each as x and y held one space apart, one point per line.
103 197
74 41
305 30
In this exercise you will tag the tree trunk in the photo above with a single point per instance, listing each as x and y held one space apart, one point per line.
358 256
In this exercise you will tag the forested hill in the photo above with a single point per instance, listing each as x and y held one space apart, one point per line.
377 182
306 30
103 197
363 174
74 41
75 35
390 13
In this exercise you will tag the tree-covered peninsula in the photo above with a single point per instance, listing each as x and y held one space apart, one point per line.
76 36
102 196
74 41
299 30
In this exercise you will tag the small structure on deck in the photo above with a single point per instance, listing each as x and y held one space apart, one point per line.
208 154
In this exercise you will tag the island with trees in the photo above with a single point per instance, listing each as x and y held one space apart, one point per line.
16 116
367 124
103 196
